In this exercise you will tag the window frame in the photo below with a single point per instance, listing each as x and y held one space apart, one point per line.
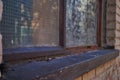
11 54
99 34
99 30
19 54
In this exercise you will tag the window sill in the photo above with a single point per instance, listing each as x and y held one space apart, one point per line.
65 68
20 54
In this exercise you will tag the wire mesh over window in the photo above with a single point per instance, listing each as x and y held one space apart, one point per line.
45 22
28 23
81 23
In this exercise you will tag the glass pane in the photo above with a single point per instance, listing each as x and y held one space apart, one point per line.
45 22
81 22
28 23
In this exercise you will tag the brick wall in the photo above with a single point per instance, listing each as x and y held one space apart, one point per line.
117 31
110 22
107 71
111 69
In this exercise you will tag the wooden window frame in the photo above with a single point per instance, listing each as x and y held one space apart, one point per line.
24 53
34 52
99 30
99 34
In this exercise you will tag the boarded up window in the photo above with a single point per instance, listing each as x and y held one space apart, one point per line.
81 23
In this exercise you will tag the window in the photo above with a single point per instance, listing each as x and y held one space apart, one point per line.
81 23
45 23
41 24
30 23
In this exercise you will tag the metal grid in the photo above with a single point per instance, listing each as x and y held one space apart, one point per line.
16 25
10 26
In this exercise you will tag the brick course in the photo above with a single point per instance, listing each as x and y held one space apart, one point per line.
107 71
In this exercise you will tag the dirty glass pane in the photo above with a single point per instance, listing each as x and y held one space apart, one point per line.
28 23
45 22
81 22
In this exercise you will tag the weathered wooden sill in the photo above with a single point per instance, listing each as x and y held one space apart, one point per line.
65 68
43 53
